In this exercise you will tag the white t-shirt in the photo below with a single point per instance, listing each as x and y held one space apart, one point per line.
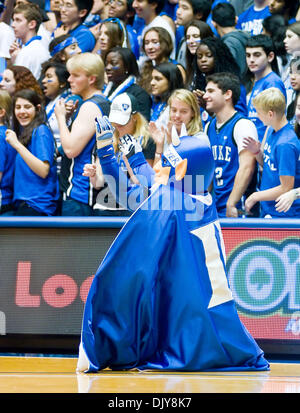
32 55
7 37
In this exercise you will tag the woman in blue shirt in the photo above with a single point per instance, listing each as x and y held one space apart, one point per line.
35 180
7 157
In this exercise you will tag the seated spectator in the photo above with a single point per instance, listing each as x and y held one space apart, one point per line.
28 50
157 46
73 14
112 33
251 19
122 74
78 139
194 31
279 156
262 65
224 20
63 47
35 177
7 157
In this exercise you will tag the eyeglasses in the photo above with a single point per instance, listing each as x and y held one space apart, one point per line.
119 3
66 5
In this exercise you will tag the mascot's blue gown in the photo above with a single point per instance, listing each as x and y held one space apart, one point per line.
160 299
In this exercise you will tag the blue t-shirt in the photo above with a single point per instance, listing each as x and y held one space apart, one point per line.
39 193
251 20
270 80
281 158
7 167
85 38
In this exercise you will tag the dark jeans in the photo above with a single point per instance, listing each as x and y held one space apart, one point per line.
70 208
24 209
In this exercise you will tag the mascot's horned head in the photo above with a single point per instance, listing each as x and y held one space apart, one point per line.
188 164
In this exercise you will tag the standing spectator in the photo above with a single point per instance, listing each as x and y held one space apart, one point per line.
63 47
187 11
241 6
112 33
55 83
35 178
213 56
122 73
157 46
292 39
234 166
279 156
73 14
275 27
166 77
123 10
295 83
224 20
7 157
262 64
78 140
149 11
16 78
286 8
251 19
194 32
28 50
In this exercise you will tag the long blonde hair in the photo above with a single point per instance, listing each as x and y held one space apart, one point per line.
188 97
141 130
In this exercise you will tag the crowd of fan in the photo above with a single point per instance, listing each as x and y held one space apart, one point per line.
225 70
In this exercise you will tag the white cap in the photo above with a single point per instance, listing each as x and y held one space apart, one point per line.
121 108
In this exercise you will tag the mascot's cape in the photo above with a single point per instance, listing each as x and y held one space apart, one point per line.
160 298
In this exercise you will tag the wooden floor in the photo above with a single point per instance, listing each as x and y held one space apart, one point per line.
57 375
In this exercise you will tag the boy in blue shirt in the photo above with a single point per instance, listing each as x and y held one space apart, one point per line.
262 64
73 14
279 156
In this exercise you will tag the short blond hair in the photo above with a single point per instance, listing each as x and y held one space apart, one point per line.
90 63
188 97
270 99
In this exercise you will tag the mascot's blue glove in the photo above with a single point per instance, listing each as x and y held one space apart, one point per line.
104 132
129 146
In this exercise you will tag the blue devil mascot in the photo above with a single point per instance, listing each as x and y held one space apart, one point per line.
160 298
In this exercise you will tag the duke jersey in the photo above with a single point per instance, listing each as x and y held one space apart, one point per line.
281 158
72 183
226 158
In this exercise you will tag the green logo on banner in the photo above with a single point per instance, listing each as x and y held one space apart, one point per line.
264 276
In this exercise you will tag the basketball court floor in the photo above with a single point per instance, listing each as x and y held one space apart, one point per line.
33 374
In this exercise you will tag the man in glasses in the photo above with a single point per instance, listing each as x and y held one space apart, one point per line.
73 14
